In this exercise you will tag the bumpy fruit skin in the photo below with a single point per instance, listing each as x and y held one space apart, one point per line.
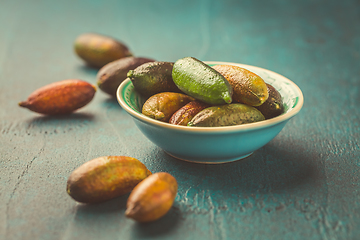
114 73
273 106
163 105
61 97
152 198
200 81
152 78
248 87
226 115
105 178
184 115
97 50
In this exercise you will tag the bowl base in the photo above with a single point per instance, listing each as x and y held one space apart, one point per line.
208 161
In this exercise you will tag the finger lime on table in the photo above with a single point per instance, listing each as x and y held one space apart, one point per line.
62 97
200 81
98 50
152 198
105 178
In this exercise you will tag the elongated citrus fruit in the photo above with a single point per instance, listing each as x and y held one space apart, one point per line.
200 81
61 97
152 198
105 178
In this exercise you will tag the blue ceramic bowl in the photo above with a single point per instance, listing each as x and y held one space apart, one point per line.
214 144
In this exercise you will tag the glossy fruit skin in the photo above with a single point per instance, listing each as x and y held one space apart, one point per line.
184 115
98 50
248 87
62 97
105 178
202 82
226 115
152 198
273 106
114 73
163 105
152 78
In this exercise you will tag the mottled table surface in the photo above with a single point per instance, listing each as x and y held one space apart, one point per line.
304 184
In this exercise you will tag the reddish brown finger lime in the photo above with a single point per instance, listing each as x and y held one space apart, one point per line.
61 97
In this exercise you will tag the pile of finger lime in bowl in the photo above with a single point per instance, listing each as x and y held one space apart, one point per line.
208 112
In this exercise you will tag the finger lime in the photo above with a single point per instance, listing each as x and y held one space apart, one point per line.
200 81
248 87
226 115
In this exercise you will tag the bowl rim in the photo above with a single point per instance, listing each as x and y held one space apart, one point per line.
235 128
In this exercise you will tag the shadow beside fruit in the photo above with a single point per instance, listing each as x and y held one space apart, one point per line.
102 214
113 206
162 226
66 119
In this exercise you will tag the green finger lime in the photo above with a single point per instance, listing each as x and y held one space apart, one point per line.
202 82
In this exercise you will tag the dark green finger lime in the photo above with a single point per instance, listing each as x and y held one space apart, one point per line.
226 115
152 78
273 106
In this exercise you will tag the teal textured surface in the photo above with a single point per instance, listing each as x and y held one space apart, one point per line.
304 184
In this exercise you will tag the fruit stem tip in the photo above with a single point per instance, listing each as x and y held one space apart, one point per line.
23 104
130 74
227 98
